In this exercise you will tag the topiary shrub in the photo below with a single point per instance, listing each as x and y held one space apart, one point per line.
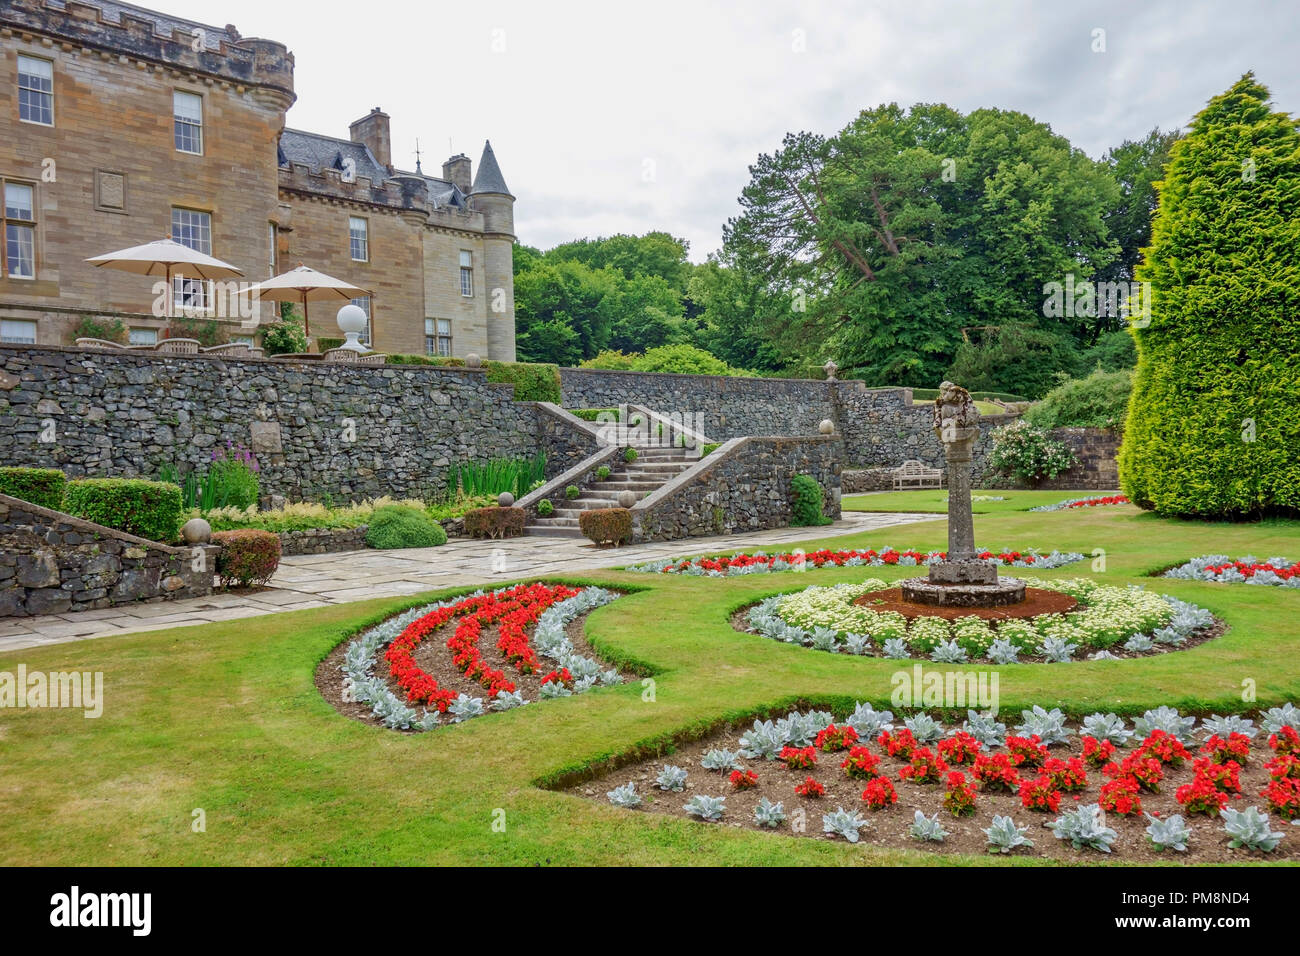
629 455
402 526
147 509
806 502
544 508
572 492
606 526
495 522
1213 429
247 557
1028 452
602 473
533 382
1099 400
40 486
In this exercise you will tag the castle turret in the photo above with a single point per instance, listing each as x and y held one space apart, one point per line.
493 199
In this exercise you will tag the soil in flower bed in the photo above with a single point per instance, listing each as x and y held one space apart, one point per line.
433 656
888 827
1037 601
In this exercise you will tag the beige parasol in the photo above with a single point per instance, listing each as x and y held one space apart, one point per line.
306 285
162 257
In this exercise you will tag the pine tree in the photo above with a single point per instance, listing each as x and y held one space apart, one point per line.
1214 423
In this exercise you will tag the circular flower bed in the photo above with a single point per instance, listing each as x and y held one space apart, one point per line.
1107 620
382 668
1161 786
760 562
1278 572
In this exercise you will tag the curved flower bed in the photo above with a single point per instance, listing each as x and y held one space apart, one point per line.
1278 572
1084 503
547 609
760 562
1108 620
1161 785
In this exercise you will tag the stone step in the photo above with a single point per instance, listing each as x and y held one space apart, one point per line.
544 531
554 522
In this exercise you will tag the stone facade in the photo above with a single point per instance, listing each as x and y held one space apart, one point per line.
743 486
52 563
106 174
320 431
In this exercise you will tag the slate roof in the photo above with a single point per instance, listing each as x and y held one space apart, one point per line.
164 24
488 179
319 152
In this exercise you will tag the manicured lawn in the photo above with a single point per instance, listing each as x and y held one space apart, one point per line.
934 500
226 718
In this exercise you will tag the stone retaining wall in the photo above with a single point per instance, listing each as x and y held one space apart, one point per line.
743 486
51 563
1096 451
322 540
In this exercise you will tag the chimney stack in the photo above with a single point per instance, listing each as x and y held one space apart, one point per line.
456 170
372 130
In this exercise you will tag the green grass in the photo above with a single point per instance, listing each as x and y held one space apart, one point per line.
932 500
225 717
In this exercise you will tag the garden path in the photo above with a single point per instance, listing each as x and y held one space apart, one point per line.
316 580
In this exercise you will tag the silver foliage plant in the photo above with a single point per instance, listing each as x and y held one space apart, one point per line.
769 814
1110 727
1057 650
1167 719
720 760
1048 725
896 648
1250 829
1232 724
671 778
924 728
763 740
926 829
706 808
1170 833
843 823
1002 651
869 722
1084 828
465 707
1288 715
985 728
948 652
1004 836
625 796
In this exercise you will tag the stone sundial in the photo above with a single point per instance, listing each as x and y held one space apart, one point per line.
963 579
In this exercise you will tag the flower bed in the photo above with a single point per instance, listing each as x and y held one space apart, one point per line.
760 562
1061 805
1108 621
1278 572
1084 503
490 661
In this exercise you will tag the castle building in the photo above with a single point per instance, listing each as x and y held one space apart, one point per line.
120 125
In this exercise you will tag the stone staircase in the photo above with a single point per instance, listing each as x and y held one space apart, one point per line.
654 466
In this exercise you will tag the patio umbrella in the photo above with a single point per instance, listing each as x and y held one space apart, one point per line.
162 257
306 285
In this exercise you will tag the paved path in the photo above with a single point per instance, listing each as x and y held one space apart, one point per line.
316 580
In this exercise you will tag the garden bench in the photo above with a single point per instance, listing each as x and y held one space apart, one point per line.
916 474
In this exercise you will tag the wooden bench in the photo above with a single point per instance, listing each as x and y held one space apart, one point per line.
916 474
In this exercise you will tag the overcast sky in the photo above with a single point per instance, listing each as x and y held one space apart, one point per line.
614 117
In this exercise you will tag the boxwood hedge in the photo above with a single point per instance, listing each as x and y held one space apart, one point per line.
147 509
40 486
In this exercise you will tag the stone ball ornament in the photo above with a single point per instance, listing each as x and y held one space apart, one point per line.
827 427
473 360
626 499
352 322
196 531
505 499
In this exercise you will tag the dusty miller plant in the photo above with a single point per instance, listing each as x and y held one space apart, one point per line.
985 728
763 740
843 823
926 829
706 808
1249 828
1107 727
625 796
1004 836
1083 828
1167 719
1048 725
924 728
671 778
869 722
1171 833
769 814
1232 724
721 760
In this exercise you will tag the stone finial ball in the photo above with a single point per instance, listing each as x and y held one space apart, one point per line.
626 499
505 499
827 427
352 318
473 360
196 531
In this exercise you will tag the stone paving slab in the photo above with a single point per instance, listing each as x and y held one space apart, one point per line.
319 580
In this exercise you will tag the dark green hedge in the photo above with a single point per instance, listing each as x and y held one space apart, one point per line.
147 509
399 526
806 502
533 382
40 486
1213 428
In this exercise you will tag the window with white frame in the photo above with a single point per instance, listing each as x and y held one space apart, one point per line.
437 336
19 230
142 336
187 121
18 331
35 90
466 273
192 228
363 304
359 238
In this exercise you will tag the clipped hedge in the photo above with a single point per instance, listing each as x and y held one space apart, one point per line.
400 526
247 556
533 382
147 509
1099 400
495 522
806 502
606 526
1213 428
41 486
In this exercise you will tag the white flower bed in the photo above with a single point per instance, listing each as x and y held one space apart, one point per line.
548 639
1275 572
1127 618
